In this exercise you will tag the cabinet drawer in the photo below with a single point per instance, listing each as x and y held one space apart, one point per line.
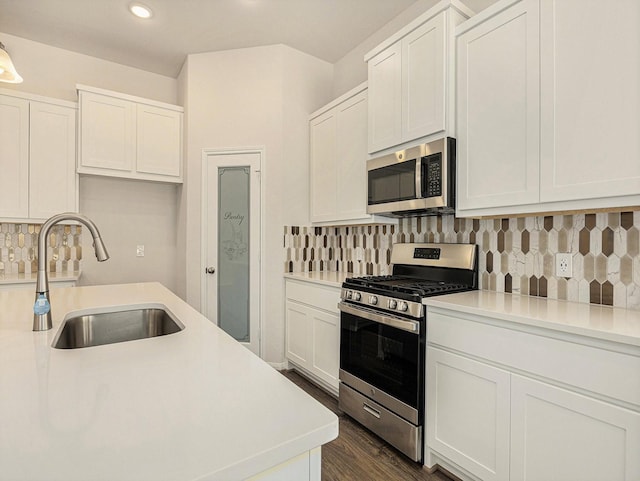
316 295
609 373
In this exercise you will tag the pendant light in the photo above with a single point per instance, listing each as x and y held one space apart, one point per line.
7 70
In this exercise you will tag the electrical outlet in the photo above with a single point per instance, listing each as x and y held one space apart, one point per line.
140 251
564 265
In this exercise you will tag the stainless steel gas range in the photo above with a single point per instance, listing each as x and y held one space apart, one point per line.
383 328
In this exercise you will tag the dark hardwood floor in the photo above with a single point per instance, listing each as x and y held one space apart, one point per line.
358 454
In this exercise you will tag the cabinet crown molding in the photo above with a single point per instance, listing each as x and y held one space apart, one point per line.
38 98
132 98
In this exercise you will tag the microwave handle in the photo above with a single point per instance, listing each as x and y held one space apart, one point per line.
419 178
399 323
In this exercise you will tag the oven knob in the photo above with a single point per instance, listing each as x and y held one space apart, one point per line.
373 300
349 294
357 296
393 303
403 307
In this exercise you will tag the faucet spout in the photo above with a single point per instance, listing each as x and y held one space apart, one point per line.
42 307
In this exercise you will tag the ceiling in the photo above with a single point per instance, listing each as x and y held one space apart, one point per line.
327 29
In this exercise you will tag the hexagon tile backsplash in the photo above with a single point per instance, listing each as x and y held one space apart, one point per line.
19 248
516 254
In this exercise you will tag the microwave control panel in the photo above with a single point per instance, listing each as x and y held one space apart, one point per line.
432 171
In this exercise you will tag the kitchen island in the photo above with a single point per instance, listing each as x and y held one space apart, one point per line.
190 405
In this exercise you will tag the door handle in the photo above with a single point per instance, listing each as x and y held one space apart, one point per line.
210 270
374 412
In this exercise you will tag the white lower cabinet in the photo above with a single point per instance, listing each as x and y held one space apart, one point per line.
507 404
305 467
468 415
563 435
313 331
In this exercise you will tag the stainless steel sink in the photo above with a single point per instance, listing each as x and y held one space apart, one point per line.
117 326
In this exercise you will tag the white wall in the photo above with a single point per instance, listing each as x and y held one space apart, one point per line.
247 98
54 72
126 212
129 213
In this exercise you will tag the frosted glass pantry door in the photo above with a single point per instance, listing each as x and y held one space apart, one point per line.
232 244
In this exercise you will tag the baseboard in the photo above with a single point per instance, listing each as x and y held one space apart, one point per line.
315 380
279 366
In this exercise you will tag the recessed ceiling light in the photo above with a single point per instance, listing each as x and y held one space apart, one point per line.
140 10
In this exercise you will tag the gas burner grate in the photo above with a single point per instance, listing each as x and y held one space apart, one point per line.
399 284
430 288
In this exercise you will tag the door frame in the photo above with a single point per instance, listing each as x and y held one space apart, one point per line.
206 152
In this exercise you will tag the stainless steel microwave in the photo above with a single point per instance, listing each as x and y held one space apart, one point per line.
415 181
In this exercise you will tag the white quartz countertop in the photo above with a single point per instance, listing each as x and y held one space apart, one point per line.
328 278
191 405
31 277
595 321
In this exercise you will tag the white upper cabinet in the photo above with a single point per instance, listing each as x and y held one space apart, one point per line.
547 107
52 147
159 140
423 79
130 137
499 110
107 135
385 102
323 167
409 78
14 157
590 66
338 156
37 157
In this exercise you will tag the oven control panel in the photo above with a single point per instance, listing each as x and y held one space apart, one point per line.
432 253
380 302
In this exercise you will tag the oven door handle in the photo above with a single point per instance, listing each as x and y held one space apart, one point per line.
404 324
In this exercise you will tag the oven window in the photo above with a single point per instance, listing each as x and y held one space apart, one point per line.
392 183
383 356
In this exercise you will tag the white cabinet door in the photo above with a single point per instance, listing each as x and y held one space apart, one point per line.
468 414
326 346
423 79
590 99
498 109
14 157
52 144
338 161
312 340
323 167
410 77
299 331
129 137
159 140
561 435
351 168
107 132
385 98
